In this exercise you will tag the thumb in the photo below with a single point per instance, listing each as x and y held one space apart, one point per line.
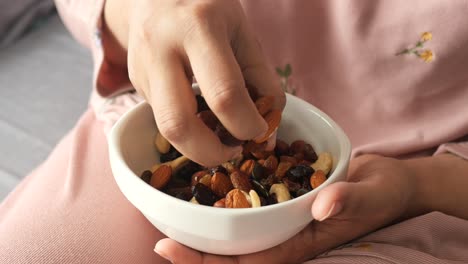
344 200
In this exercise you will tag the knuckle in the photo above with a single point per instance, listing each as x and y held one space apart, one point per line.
172 126
223 95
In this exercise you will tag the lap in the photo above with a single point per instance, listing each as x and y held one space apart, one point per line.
70 210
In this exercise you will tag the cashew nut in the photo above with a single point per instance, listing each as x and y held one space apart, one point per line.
193 200
175 164
228 166
323 163
178 163
162 145
281 192
255 199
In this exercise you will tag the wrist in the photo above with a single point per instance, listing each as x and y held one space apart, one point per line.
433 183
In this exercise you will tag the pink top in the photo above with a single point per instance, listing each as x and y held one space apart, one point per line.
343 60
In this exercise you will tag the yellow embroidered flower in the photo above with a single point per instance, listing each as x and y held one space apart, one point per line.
426 36
426 55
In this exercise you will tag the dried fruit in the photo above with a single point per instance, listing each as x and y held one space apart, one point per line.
197 176
169 156
146 176
218 169
301 192
283 167
184 193
227 138
261 154
299 172
258 172
281 148
260 189
291 185
209 118
271 163
264 104
247 167
162 145
240 181
309 153
221 184
296 147
161 177
220 203
204 195
236 199
292 160
273 119
317 178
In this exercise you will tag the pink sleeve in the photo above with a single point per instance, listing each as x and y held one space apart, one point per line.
459 148
84 19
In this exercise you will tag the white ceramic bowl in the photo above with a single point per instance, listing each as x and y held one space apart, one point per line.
214 230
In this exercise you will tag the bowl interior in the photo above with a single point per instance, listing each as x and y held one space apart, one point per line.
300 121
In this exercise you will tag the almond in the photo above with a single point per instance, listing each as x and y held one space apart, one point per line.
241 181
220 203
248 166
206 180
221 184
264 104
273 119
236 199
317 178
161 177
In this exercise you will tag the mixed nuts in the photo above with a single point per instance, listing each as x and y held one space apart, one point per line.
258 177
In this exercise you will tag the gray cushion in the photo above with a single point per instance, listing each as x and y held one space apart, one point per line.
45 82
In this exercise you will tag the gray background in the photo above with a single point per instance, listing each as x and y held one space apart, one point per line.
45 83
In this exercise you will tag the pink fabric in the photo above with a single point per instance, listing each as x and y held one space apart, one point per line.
343 60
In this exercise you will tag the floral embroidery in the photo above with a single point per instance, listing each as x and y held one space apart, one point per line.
285 82
426 55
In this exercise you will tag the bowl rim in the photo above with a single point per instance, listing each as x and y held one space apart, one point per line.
115 156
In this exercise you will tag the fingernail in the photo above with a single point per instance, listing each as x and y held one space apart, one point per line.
334 210
261 135
162 254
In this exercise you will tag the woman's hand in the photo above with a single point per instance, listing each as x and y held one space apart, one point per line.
165 42
379 191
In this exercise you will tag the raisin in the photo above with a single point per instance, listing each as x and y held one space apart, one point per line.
169 156
204 195
146 176
299 173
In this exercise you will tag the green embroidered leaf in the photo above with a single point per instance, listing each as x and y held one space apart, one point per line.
287 70
279 71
